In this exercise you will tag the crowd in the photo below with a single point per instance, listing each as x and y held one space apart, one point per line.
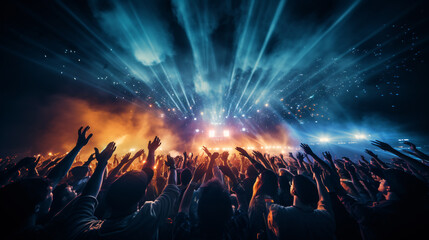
214 195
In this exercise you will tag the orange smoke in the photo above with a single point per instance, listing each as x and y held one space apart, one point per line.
127 125
132 127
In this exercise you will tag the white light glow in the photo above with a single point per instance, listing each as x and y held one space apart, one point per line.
360 136
226 133
324 139
212 133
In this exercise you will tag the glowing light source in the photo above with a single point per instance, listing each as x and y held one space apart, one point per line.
212 133
50 154
197 130
226 133
360 136
132 149
324 139
243 129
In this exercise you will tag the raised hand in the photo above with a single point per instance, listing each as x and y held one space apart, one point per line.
214 155
412 145
170 162
369 152
224 157
226 170
152 146
81 139
207 151
327 155
199 172
317 171
300 156
138 154
242 152
258 154
382 145
126 158
90 159
104 156
307 149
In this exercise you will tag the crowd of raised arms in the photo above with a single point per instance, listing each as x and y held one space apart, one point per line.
214 195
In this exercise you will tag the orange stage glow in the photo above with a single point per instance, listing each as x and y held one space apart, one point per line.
132 127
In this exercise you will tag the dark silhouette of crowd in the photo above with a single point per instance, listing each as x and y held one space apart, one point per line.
214 195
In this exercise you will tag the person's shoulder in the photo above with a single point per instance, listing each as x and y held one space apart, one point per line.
278 209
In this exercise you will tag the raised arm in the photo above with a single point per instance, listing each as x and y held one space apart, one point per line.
310 152
417 152
376 159
152 146
324 201
90 159
209 172
92 187
411 161
117 169
187 196
172 176
236 187
60 170
131 160
256 164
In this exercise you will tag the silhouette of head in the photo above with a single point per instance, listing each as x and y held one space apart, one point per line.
185 176
251 172
266 184
305 189
20 200
127 191
79 172
214 208
404 185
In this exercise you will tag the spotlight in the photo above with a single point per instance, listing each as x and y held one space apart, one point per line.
226 133
360 136
243 129
324 139
211 133
132 149
197 130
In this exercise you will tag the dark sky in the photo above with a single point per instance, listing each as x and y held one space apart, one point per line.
28 84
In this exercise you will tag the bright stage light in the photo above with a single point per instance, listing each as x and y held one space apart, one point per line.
360 136
132 149
212 133
197 130
243 129
324 139
226 133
